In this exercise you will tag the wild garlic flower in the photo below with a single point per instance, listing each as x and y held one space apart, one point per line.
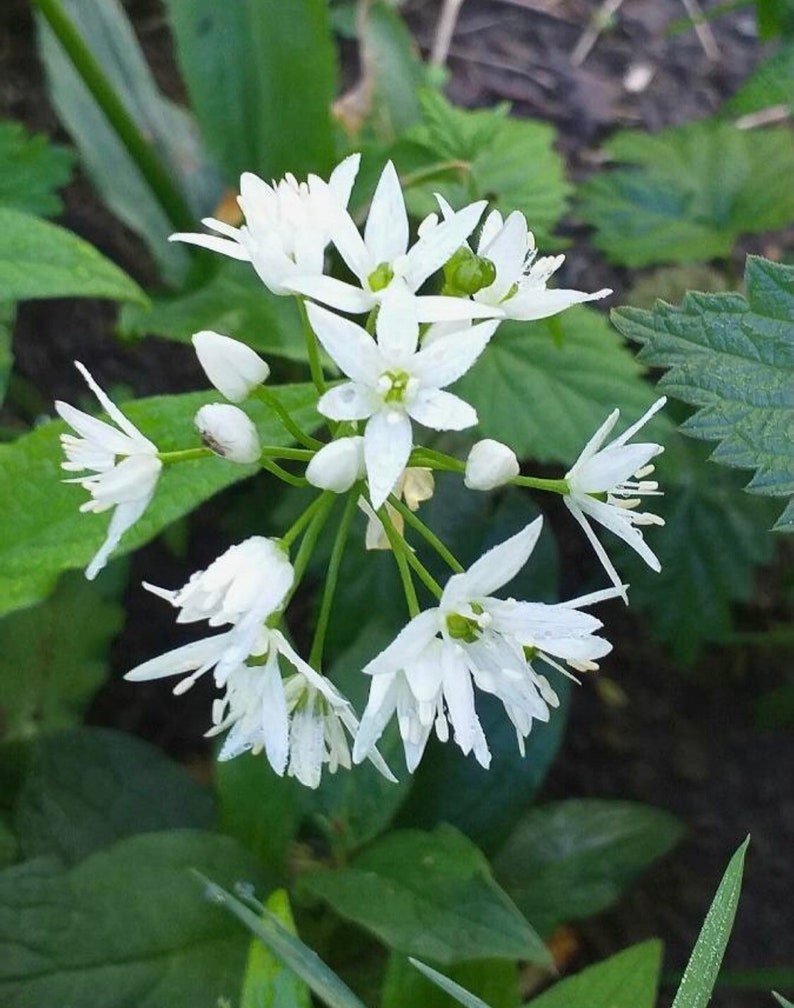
427 675
124 464
607 484
287 224
415 485
228 432
337 465
231 366
393 382
490 464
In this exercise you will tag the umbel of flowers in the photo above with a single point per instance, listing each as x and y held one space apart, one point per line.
396 363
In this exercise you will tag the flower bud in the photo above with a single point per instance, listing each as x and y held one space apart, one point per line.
232 367
337 465
490 464
228 432
466 273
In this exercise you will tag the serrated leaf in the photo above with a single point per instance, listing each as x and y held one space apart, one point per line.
768 85
31 170
261 77
690 192
43 532
268 982
545 387
572 859
629 979
92 786
127 926
701 971
42 260
429 894
732 358
54 657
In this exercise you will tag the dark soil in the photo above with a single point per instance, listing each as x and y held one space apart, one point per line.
685 742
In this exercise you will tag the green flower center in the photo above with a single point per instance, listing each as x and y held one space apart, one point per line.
380 277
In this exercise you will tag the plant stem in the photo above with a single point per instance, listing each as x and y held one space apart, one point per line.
309 541
277 470
93 76
399 548
332 578
296 454
559 486
273 402
427 534
312 349
436 460
300 524
183 455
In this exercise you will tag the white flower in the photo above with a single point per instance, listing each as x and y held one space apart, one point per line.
607 484
337 465
128 485
490 464
428 673
382 258
287 224
415 486
393 381
231 366
228 432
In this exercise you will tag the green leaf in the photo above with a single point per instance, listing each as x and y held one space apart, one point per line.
701 972
690 192
572 859
732 358
767 86
8 845
92 786
43 532
775 18
410 982
234 302
54 657
545 387
261 76
31 170
629 979
127 926
42 260
429 894
7 319
268 982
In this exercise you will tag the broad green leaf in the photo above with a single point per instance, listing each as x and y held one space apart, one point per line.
545 387
127 926
411 982
629 979
8 845
572 859
289 949
689 192
733 359
268 982
42 260
31 170
261 76
429 894
43 532
54 657
7 318
234 302
92 786
767 86
775 18
701 972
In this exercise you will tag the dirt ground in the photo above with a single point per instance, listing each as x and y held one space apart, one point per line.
685 742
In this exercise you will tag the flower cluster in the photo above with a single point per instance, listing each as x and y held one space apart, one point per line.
429 309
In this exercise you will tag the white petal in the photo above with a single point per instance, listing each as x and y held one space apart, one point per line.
439 308
494 568
342 178
450 356
538 303
275 719
601 553
411 641
431 252
336 293
225 246
386 231
349 401
646 416
123 518
337 465
442 410
617 521
507 250
180 660
112 409
397 326
347 344
100 434
388 439
381 705
611 466
593 444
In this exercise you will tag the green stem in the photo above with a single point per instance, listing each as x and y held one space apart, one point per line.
559 486
296 454
273 402
427 534
309 541
423 573
435 460
93 76
305 519
331 579
399 549
312 349
184 455
277 470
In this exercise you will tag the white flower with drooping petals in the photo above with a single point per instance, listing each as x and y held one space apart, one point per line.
393 382
287 224
231 366
228 432
382 259
607 484
337 465
490 464
428 673
127 485
415 486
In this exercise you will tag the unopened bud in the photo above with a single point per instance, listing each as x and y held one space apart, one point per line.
232 367
490 464
228 432
466 273
337 465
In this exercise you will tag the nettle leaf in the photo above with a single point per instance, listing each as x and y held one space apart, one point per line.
42 260
31 170
572 859
629 979
128 926
90 787
733 359
690 192
54 657
545 387
44 533
429 894
768 85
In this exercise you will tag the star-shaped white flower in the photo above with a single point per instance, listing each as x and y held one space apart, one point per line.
127 485
394 381
287 224
607 484
428 673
